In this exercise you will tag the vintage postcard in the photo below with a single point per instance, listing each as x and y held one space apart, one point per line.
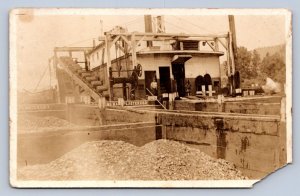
149 97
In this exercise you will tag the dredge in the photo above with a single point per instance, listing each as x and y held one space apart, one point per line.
147 66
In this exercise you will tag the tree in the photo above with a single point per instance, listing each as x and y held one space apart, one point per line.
244 63
274 67
256 61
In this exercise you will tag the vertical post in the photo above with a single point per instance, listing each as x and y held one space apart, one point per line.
229 64
203 90
220 103
232 48
216 44
55 72
228 57
108 65
210 91
85 61
233 33
231 53
133 46
181 45
124 91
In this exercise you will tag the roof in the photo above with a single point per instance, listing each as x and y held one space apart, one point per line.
191 52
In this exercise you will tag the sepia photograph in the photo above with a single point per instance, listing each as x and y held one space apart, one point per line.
149 97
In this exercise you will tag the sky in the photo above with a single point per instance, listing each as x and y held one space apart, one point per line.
38 35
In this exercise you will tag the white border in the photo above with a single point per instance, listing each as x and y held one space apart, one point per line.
150 184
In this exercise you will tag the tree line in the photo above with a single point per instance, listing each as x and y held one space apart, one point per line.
254 69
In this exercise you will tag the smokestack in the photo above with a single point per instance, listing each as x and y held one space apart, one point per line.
148 27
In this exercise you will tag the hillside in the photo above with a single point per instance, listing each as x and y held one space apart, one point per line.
271 50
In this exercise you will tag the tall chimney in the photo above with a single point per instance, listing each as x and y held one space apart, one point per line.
148 27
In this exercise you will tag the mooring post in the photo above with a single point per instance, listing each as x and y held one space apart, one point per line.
220 101
102 103
203 90
171 101
121 102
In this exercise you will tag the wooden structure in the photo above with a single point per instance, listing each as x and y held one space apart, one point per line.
125 64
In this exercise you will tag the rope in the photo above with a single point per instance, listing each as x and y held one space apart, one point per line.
44 73
156 99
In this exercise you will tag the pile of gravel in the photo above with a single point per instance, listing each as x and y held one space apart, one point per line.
117 160
35 122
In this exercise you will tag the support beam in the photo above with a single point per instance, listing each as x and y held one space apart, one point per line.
125 39
108 65
140 41
180 35
225 45
216 44
211 46
73 49
120 47
115 40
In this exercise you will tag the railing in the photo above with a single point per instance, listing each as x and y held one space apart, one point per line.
156 99
126 103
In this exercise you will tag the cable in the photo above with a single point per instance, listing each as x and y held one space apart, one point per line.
179 28
202 28
83 40
80 41
46 68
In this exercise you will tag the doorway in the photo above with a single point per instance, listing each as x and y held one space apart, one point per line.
179 76
164 80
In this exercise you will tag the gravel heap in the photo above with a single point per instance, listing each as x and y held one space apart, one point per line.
117 160
35 122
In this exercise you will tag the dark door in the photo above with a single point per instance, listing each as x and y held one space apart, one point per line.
207 81
179 76
164 80
199 81
150 76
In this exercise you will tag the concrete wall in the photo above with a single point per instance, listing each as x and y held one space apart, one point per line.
256 145
43 110
243 107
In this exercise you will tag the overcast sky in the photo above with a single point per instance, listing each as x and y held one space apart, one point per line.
37 36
